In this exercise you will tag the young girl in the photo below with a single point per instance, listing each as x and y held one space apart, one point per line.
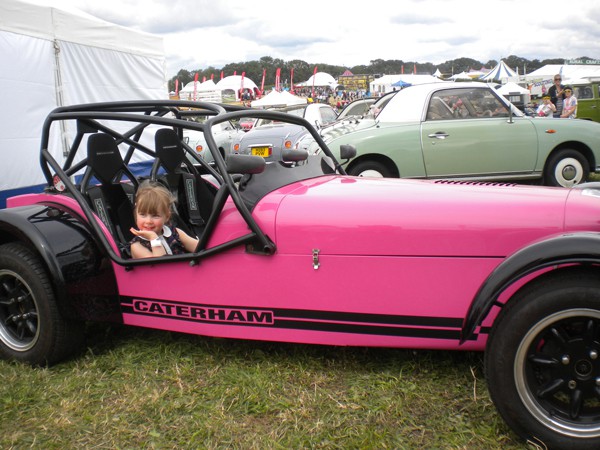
153 237
569 104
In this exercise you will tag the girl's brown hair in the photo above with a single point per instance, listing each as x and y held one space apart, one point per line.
153 198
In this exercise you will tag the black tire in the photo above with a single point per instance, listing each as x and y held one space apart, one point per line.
31 328
370 169
567 168
543 361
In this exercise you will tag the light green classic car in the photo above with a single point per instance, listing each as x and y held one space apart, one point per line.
465 131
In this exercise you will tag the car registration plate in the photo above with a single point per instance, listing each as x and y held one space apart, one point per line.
262 151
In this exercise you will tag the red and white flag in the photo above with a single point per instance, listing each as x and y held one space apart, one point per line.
262 83
278 79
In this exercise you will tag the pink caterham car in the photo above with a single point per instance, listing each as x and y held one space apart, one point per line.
297 251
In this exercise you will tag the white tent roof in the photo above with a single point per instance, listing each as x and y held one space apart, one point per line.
292 99
208 85
54 57
235 82
320 79
275 98
567 71
384 84
72 25
512 88
460 76
501 71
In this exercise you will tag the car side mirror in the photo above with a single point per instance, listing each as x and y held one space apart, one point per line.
289 155
318 124
246 164
347 151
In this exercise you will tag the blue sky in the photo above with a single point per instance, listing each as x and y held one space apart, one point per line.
200 33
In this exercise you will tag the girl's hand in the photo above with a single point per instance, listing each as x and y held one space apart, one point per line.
146 234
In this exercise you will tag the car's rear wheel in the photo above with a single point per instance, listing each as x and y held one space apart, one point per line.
543 362
370 169
31 327
567 168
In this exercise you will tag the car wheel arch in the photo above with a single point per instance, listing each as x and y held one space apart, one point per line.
19 226
575 250
373 157
549 319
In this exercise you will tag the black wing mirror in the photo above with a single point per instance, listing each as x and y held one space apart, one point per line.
289 155
246 164
347 151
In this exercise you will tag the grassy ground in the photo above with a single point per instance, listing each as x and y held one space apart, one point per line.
151 389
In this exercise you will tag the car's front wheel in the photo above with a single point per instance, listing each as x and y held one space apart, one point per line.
567 168
543 362
370 169
32 329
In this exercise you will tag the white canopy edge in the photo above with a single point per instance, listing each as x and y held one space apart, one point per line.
40 20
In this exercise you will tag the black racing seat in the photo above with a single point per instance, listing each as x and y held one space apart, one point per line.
195 198
112 199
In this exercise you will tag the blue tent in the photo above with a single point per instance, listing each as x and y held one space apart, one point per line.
401 84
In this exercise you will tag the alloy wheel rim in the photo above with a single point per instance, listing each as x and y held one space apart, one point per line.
19 322
557 372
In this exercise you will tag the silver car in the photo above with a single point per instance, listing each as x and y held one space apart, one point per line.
268 138
225 134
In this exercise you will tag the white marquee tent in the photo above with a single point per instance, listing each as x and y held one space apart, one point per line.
206 91
53 57
460 76
276 98
567 71
512 88
385 83
321 79
515 93
234 83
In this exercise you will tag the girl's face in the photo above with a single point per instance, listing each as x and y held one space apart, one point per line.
150 222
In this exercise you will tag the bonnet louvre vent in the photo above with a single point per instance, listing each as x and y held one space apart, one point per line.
475 183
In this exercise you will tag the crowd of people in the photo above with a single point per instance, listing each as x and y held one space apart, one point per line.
336 99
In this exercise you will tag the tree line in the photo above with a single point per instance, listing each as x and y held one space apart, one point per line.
303 70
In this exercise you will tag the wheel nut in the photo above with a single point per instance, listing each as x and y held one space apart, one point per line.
565 359
572 384
593 354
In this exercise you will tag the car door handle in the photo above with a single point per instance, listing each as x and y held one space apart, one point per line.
439 135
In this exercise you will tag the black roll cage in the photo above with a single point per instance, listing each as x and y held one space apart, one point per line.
154 112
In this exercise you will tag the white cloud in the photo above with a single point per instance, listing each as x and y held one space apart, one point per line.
203 33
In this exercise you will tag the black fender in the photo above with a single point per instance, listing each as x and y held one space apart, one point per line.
573 248
82 275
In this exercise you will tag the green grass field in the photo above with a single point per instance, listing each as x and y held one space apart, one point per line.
151 389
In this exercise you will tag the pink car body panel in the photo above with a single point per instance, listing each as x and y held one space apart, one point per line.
399 262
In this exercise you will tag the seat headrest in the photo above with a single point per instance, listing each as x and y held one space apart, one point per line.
169 149
104 157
